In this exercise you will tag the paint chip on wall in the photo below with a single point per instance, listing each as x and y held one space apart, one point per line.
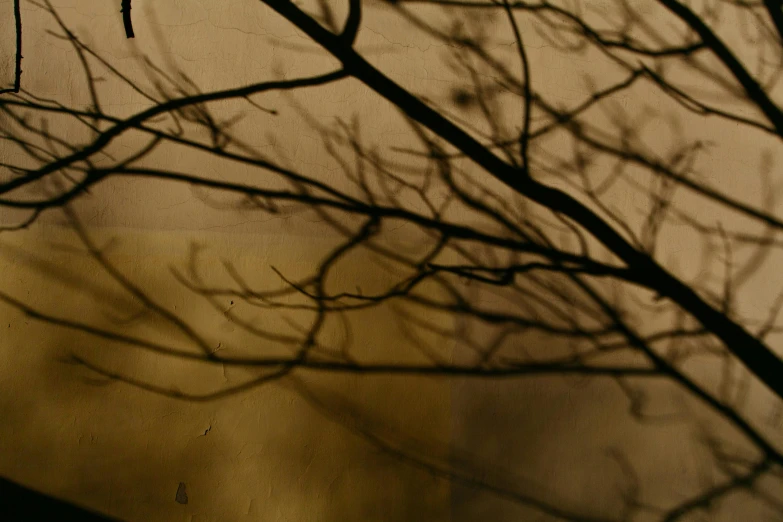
182 495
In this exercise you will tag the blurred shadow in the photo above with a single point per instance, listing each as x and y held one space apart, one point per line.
507 237
19 503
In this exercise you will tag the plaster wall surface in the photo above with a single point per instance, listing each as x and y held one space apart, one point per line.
314 445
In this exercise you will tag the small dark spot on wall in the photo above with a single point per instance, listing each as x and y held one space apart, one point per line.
462 97
182 495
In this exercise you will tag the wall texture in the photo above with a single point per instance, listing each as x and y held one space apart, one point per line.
313 445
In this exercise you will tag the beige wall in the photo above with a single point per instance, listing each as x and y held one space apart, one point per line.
262 454
319 446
